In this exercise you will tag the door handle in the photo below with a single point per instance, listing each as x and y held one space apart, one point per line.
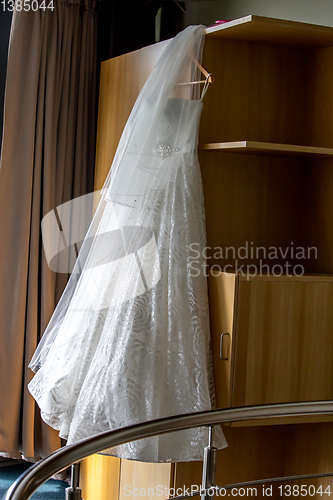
221 346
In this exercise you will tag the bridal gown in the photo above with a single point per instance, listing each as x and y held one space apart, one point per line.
130 341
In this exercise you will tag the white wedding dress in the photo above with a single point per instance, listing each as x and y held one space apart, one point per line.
130 339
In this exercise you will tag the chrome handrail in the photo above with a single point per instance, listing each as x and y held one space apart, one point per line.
28 482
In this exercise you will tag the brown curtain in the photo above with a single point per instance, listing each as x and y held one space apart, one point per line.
47 159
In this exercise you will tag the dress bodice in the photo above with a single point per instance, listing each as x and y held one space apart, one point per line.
179 124
152 158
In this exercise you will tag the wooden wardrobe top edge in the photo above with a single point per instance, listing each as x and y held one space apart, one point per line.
271 31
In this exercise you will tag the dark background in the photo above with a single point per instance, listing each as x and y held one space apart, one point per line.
124 26
5 22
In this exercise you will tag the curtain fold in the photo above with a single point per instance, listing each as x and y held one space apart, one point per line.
47 159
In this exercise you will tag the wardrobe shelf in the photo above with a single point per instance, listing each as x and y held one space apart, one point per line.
267 148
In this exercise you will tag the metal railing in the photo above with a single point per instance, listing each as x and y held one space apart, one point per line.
35 476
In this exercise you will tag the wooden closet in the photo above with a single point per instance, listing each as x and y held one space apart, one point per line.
266 156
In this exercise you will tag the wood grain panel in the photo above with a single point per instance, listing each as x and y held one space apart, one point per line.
141 479
249 202
231 102
259 93
309 451
320 98
318 216
99 477
318 219
284 343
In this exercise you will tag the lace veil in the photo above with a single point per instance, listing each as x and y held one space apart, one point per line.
120 245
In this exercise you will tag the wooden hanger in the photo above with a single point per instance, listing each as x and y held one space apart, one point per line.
209 76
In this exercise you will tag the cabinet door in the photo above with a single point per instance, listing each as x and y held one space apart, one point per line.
284 342
222 291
